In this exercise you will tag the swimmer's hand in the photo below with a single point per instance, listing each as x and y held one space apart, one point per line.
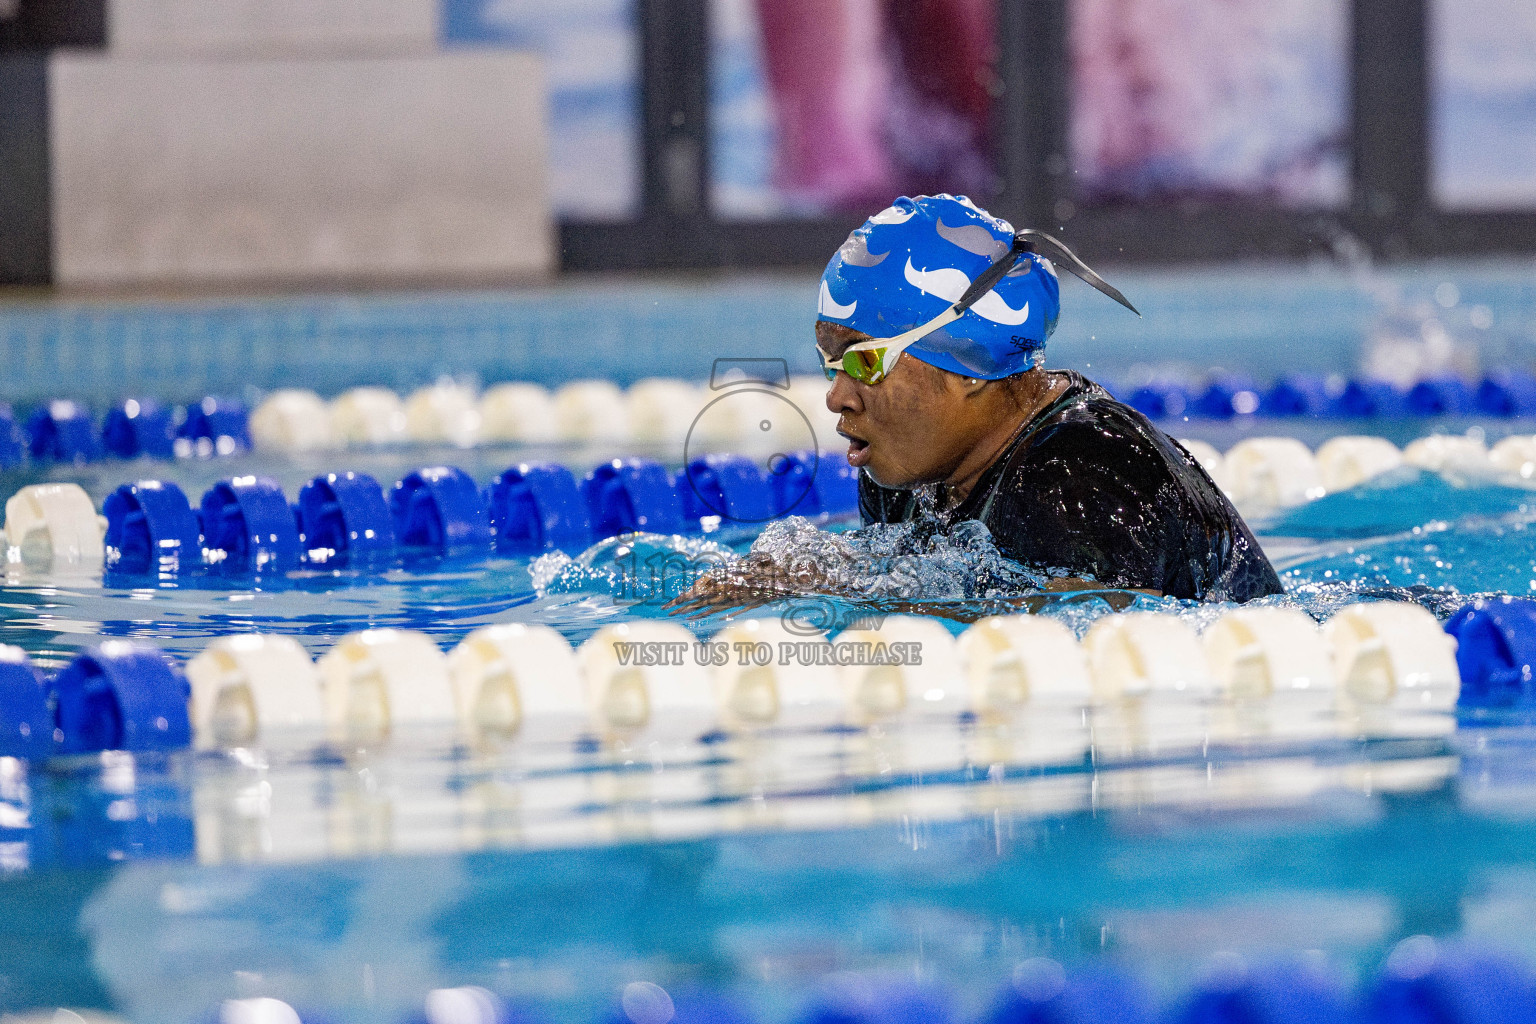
745 584
756 580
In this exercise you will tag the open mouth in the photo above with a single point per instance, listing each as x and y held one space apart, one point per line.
858 449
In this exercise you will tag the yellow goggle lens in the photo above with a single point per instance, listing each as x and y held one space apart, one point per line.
867 366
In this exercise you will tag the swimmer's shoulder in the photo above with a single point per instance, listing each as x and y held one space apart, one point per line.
1086 425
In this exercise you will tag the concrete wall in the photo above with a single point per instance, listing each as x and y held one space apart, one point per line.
408 167
272 28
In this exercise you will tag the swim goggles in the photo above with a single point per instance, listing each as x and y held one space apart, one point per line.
869 362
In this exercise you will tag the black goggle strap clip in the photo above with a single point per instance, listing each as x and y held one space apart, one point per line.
1055 250
988 278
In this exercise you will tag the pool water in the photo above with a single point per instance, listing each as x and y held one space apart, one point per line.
761 869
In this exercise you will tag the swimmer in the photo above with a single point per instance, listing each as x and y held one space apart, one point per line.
932 323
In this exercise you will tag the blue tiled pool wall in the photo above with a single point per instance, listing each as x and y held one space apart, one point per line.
1264 321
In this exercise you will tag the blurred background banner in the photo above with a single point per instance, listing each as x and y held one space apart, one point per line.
466 140
833 107
1186 98
591 57
1485 104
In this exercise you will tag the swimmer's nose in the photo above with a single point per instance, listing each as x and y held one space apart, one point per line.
843 396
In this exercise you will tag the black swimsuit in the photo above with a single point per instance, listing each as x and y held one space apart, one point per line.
1091 489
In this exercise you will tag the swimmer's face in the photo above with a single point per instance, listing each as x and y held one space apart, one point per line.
914 427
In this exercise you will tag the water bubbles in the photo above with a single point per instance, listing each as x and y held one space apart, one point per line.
912 561
645 1002
467 1005
631 567
1413 957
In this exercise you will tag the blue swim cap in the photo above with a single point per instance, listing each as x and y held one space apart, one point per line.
910 262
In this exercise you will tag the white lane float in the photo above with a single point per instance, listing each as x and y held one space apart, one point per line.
644 684
1016 661
1515 455
1274 666
54 525
1028 686
292 420
903 682
368 416
900 667
748 417
516 681
443 413
1394 666
809 394
468 1004
1351 460
1463 454
1274 472
255 689
257 1011
767 677
379 682
661 410
517 412
1152 685
591 410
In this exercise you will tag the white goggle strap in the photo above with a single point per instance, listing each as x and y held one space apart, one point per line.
901 342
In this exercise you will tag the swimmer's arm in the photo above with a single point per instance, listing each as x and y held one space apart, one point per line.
752 583
1054 594
742 585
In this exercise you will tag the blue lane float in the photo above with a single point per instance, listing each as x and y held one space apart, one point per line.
1367 399
1159 400
807 484
1440 396
26 725
346 514
248 522
536 506
1506 394
13 446
1043 993
792 477
1428 982
1226 396
837 487
440 509
62 431
139 427
150 526
730 487
891 1000
1496 652
628 495
1267 994
222 424
121 696
1296 394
